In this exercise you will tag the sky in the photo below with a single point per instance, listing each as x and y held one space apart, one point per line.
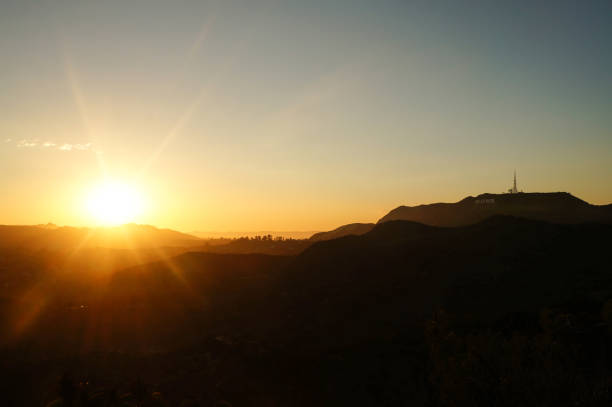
298 115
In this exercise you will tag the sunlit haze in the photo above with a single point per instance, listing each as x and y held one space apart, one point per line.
268 115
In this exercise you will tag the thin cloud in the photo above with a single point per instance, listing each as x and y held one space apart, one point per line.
70 147
36 143
27 143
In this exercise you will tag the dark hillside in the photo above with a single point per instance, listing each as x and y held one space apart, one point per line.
130 236
398 274
557 207
350 229
404 314
346 291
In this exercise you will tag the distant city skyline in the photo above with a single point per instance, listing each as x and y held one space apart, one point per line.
302 116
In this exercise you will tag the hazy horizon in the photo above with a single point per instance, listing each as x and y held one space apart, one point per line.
296 116
233 234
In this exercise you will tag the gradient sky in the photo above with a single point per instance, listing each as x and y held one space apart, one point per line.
299 115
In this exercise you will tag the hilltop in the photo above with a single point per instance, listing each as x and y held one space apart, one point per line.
350 229
556 207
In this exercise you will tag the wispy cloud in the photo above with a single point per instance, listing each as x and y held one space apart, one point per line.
39 144
70 147
27 143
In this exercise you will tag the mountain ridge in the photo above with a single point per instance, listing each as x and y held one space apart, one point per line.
63 237
559 207
556 207
349 229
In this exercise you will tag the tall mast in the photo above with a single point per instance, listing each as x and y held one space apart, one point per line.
515 190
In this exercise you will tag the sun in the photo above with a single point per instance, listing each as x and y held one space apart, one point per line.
114 203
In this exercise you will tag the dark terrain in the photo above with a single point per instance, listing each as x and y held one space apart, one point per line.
555 207
500 311
558 207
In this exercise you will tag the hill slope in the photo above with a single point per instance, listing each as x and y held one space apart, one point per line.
355 318
350 229
557 207
130 236
356 288
391 279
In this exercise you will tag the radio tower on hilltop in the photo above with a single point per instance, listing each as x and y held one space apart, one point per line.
514 189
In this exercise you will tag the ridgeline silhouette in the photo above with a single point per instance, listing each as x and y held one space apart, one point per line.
350 229
129 236
503 310
556 207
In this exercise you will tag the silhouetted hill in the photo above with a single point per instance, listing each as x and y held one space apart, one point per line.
386 281
130 236
160 305
558 207
350 229
400 311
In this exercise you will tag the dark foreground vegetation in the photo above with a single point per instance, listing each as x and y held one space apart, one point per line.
504 312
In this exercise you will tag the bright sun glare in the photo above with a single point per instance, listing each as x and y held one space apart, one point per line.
114 203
